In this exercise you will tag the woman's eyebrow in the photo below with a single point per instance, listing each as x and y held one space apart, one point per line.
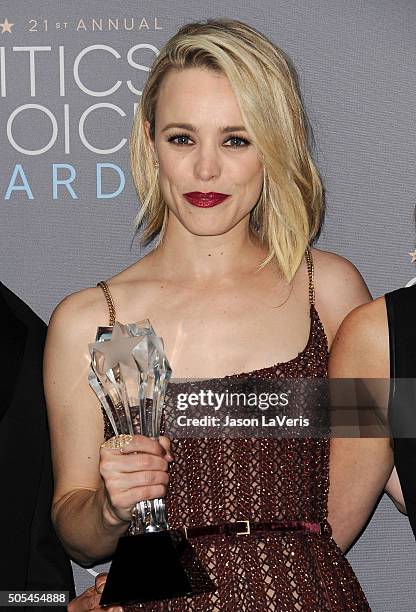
191 128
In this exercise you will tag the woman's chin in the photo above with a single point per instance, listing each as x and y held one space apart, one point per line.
204 230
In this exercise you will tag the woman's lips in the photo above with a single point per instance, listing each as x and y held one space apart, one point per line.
205 200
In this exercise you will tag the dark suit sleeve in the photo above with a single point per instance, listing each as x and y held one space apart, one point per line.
48 566
31 556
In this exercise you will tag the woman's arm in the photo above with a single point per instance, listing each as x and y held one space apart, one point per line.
359 467
94 488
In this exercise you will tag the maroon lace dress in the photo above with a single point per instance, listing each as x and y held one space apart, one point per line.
216 480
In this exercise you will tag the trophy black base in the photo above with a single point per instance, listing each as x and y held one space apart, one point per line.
149 567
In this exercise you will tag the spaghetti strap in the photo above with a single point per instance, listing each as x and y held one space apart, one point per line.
110 302
112 309
309 262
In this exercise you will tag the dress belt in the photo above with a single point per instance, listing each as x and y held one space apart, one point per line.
245 527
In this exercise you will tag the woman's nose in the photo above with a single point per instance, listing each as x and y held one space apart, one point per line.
207 164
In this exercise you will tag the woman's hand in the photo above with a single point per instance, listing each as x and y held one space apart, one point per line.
89 600
139 473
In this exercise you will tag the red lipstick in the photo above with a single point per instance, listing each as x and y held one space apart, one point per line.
205 200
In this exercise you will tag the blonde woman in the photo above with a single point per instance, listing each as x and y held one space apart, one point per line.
222 167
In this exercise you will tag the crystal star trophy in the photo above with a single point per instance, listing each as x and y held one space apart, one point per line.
129 373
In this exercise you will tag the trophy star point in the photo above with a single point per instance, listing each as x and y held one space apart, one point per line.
117 332
6 26
118 350
130 346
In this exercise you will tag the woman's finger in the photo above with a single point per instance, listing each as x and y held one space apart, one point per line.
165 442
143 479
125 501
137 444
133 463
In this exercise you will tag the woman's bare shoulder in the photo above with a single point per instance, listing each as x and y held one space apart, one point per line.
81 308
73 324
362 342
334 268
371 317
83 311
339 288
367 325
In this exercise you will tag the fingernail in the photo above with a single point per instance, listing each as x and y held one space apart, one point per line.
169 457
100 588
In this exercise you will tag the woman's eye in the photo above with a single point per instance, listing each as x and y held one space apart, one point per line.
180 139
233 141
237 142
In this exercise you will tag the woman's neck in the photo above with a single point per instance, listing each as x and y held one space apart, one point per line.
183 255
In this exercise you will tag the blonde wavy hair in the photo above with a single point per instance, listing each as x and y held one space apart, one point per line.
289 211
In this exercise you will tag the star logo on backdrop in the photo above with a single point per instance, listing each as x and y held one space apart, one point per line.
413 256
6 26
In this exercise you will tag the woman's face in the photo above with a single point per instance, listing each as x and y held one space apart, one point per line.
204 153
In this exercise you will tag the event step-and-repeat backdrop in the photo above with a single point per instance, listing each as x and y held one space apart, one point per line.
71 76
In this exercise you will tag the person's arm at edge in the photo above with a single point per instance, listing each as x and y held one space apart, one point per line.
360 350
